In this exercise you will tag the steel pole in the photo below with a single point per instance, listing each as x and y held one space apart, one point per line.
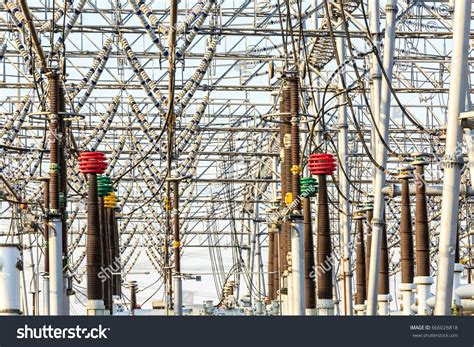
453 158
344 209
378 220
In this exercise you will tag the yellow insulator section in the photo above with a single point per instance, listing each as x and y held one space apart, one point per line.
110 201
167 204
176 244
288 198
295 169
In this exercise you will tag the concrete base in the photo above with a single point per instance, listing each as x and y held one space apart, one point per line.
310 312
408 298
383 304
325 307
458 269
275 308
359 310
423 289
96 308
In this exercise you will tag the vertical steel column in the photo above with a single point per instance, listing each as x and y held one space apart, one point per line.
344 208
171 124
453 160
378 221
375 73
178 289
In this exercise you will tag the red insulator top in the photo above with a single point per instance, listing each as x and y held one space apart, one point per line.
92 162
322 164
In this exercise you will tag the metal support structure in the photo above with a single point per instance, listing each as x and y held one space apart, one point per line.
55 267
381 158
344 208
452 159
178 286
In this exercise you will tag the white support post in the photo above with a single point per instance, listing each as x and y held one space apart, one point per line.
46 295
408 298
178 295
453 158
458 269
297 267
381 158
375 74
56 284
384 304
423 288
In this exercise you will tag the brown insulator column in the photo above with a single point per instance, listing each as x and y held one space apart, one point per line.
361 293
53 142
322 165
324 248
93 163
384 286
94 244
295 143
297 228
423 279
309 283
421 221
406 243
406 232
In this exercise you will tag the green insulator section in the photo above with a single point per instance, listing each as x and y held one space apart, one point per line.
61 200
309 187
54 168
104 186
